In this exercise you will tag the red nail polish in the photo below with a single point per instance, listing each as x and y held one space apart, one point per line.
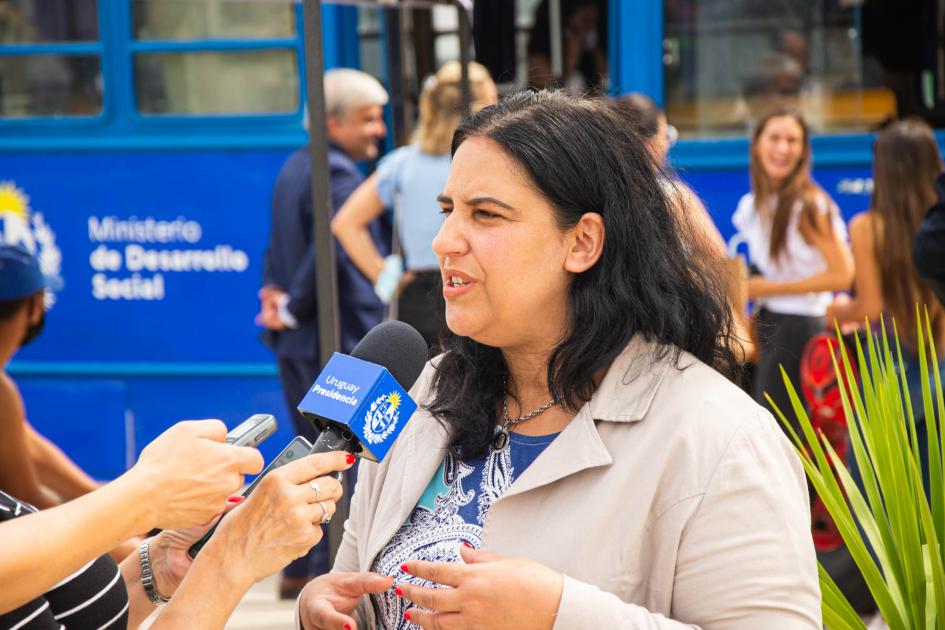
347 626
349 458
467 544
399 592
407 615
235 499
403 568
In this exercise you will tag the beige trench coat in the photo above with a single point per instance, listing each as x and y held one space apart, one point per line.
671 500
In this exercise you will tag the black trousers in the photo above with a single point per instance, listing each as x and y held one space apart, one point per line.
782 339
297 375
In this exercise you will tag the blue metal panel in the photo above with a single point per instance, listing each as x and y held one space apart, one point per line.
340 36
636 44
210 45
103 424
229 399
83 417
119 368
173 138
119 302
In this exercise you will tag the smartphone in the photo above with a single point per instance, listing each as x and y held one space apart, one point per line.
296 449
253 430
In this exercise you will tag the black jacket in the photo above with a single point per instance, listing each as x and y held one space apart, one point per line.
929 256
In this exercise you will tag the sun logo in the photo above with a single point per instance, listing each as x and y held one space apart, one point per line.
381 419
21 227
14 201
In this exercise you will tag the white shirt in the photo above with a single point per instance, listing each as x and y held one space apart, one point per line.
797 261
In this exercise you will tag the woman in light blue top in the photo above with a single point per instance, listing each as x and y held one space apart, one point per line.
409 180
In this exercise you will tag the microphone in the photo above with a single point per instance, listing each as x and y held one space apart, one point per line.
360 402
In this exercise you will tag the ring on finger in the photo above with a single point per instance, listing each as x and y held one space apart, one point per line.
318 491
326 515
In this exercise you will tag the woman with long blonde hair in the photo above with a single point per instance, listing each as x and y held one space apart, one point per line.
797 241
906 162
409 180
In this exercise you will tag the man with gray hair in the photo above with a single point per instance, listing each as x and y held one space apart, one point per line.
354 104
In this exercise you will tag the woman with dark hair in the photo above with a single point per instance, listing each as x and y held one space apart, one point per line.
797 240
577 460
906 162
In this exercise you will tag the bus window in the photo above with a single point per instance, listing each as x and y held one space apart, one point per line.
726 62
178 71
212 19
38 21
55 69
244 82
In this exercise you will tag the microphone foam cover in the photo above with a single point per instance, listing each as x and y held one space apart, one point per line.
396 346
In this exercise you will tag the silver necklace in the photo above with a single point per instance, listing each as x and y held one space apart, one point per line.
501 439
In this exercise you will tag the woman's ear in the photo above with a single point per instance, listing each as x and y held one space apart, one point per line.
586 243
36 307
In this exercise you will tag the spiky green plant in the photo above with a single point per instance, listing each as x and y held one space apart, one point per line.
904 527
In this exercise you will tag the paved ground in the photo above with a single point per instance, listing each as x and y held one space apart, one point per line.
261 610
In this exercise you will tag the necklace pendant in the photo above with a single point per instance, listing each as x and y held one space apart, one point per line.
501 440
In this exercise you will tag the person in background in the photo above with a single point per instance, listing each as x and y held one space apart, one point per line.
31 467
906 162
576 460
408 180
797 240
583 47
929 255
701 232
354 103
54 573
650 122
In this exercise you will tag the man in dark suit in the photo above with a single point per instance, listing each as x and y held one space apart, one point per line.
354 103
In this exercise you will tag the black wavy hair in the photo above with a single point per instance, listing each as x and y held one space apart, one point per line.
583 156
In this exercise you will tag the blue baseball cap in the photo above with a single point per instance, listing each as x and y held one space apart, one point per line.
20 275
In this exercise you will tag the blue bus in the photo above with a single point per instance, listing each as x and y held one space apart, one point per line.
139 140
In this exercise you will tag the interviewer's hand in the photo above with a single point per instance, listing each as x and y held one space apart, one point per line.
188 472
486 592
327 602
170 559
281 520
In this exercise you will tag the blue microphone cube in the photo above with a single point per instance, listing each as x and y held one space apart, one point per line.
364 397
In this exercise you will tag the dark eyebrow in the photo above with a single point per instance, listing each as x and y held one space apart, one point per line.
476 201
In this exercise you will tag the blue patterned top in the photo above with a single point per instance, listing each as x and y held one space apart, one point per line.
451 511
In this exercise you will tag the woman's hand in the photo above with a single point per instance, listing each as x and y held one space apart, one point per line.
170 559
327 602
486 592
186 474
281 520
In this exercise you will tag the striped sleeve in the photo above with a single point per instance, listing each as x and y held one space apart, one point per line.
93 597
